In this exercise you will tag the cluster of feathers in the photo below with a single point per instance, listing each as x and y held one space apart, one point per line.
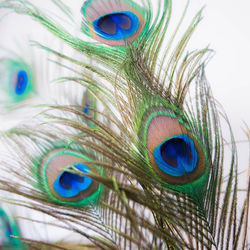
134 159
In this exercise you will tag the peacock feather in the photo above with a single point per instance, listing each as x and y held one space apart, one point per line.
139 162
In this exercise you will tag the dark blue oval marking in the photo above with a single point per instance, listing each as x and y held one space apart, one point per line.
6 227
117 25
21 82
86 109
69 185
176 156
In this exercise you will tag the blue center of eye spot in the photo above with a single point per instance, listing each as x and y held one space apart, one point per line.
176 156
86 109
6 227
117 25
21 82
69 185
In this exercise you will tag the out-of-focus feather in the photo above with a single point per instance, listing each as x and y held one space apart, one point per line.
89 104
9 232
26 81
19 83
16 79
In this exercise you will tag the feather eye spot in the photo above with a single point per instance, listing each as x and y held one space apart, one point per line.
113 23
176 156
16 80
117 26
62 175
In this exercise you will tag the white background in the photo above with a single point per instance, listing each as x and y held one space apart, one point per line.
225 28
